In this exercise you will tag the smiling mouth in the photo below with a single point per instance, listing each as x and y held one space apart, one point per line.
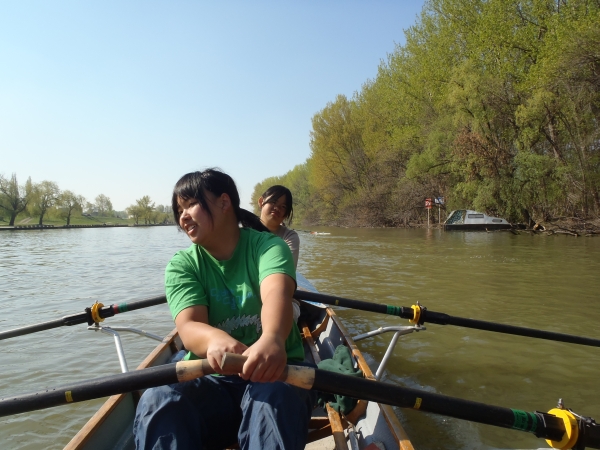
190 228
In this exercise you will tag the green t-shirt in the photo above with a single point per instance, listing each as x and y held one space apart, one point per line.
231 289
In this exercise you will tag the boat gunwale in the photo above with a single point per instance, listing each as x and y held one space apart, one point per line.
92 426
394 425
100 416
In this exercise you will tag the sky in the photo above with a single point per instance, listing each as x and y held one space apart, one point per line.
123 98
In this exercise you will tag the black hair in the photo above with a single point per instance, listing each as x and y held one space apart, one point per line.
273 194
196 184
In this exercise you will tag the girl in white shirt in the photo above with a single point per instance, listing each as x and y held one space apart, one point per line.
276 207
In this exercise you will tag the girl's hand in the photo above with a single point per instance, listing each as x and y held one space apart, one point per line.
266 359
204 340
219 344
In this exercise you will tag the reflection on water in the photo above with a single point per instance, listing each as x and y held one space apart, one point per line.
533 281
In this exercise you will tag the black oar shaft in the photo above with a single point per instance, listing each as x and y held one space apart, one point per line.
79 318
87 390
105 386
550 427
543 425
31 329
400 311
346 302
445 319
132 306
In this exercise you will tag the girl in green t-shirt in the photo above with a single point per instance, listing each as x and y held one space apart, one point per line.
231 291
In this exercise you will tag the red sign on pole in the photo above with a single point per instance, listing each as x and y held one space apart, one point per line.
428 203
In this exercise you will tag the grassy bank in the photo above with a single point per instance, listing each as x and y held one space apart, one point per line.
24 219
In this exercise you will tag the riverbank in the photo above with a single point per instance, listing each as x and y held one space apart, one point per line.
27 222
68 227
572 226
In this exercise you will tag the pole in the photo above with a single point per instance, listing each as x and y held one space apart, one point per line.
544 425
75 319
426 316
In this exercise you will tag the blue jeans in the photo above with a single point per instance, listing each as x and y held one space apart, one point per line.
215 412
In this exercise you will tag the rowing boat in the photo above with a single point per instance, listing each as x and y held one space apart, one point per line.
369 425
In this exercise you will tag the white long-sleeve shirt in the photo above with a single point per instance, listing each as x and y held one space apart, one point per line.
292 239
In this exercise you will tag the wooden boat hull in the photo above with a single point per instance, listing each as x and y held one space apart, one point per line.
111 427
369 424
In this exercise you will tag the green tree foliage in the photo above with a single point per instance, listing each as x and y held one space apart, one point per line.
103 205
135 213
45 196
147 207
14 199
494 104
69 203
163 214
144 209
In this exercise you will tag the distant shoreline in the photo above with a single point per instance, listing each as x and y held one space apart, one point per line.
68 227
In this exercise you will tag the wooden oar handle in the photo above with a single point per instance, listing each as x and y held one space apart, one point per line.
189 370
232 363
301 376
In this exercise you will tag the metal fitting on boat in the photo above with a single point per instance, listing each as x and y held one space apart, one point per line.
416 314
95 311
571 429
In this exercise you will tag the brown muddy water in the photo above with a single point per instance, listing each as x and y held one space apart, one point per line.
542 282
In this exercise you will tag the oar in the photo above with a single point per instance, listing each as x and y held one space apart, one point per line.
420 315
415 314
105 386
555 426
96 313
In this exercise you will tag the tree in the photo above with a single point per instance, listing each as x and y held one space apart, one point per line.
103 205
493 104
146 207
134 212
14 198
340 167
165 213
69 202
89 208
143 209
45 196
560 118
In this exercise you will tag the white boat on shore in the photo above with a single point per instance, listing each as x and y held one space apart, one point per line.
469 220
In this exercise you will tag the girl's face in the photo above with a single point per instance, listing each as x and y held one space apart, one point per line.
195 220
273 213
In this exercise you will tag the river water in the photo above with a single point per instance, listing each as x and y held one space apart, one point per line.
542 282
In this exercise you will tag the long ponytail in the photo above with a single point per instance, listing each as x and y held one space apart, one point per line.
250 220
